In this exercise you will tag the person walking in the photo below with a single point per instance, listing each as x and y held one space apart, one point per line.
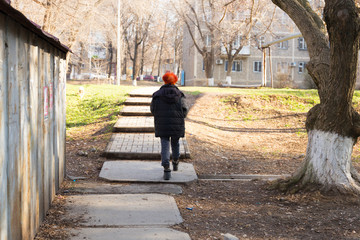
169 109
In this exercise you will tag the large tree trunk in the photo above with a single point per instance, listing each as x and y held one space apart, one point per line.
332 125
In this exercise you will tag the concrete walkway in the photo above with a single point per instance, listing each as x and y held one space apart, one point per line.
143 146
129 234
138 101
125 216
144 214
136 111
147 172
136 125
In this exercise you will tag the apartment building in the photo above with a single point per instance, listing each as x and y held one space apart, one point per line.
281 64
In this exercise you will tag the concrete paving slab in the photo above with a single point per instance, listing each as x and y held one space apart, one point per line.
144 92
134 124
136 111
116 210
128 234
121 188
144 171
138 101
144 146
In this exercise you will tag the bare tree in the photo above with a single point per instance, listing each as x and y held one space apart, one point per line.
63 18
333 126
200 20
76 22
134 36
241 25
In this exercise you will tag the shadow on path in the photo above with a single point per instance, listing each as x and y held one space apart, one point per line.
234 129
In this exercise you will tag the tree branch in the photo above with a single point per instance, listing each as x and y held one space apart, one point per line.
197 25
304 18
314 35
227 4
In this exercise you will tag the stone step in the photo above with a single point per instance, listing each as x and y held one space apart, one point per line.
134 124
119 210
136 111
138 102
135 95
144 92
128 234
84 187
146 172
144 146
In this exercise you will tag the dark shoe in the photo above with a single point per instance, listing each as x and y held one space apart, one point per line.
167 174
175 164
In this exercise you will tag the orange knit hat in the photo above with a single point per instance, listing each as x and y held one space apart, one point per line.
170 77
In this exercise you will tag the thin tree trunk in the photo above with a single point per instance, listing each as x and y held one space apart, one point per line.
161 47
110 59
136 55
47 15
81 57
124 65
142 58
154 61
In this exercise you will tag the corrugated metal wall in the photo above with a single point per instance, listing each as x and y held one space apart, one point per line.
32 128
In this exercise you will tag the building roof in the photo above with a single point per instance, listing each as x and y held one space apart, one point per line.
20 18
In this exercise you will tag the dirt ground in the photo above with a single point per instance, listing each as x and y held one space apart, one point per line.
228 135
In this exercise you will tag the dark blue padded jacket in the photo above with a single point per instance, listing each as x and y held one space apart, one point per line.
169 110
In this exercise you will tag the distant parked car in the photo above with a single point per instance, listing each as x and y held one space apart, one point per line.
91 76
98 76
147 77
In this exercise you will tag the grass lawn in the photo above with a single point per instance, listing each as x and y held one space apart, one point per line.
103 101
99 102
308 97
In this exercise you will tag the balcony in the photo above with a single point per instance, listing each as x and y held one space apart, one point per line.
245 51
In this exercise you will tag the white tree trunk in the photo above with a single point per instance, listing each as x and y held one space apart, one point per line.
329 160
228 80
210 82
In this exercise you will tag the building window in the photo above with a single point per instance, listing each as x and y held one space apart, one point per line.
301 67
226 65
257 66
237 66
261 41
203 65
302 44
283 45
283 67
